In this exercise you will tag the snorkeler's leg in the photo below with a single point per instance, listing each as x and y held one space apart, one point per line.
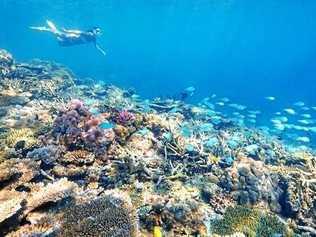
40 28
98 47
52 26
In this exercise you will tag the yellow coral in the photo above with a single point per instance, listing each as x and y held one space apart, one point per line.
23 134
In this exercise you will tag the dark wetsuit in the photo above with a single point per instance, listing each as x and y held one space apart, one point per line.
65 39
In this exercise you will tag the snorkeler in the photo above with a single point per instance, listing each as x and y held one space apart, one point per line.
72 37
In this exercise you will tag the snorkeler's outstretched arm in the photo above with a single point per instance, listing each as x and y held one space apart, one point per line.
98 47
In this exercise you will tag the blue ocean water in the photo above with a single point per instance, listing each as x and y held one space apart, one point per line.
244 50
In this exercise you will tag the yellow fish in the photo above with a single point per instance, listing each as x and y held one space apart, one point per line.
157 231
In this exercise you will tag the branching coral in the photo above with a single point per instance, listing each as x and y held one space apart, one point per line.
125 117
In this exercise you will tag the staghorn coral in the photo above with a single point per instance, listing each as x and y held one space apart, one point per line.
43 79
108 215
303 159
35 115
150 150
6 63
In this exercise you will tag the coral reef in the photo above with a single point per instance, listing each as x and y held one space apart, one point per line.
111 164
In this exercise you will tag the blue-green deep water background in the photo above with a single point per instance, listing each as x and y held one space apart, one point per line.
244 50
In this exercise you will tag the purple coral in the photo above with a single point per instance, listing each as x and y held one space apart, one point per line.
75 127
125 117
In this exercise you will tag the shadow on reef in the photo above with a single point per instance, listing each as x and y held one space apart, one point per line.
71 167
